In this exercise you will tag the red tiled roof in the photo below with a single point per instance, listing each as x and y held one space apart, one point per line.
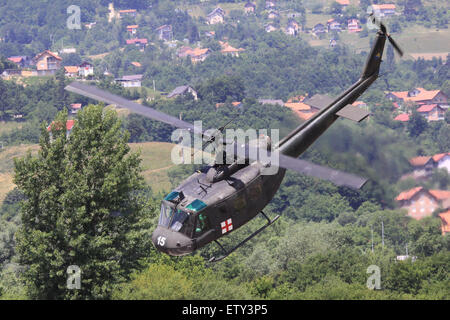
408 194
15 59
343 2
136 64
426 107
440 194
403 117
383 6
134 26
75 105
439 156
69 125
71 69
134 41
48 52
127 11
445 217
419 161
422 95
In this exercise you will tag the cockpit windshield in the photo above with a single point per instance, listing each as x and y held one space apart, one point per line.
175 219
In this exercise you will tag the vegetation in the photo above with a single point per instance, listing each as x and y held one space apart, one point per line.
84 199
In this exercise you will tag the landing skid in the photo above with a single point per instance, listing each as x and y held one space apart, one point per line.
227 253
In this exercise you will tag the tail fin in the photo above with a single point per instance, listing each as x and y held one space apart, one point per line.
372 66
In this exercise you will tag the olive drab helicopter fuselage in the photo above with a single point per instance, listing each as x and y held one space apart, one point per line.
221 198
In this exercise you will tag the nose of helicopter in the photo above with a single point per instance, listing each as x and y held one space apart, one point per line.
172 242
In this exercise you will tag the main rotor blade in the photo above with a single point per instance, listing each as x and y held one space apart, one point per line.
310 169
102 95
305 167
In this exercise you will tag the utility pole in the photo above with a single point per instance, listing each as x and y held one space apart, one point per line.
154 87
372 238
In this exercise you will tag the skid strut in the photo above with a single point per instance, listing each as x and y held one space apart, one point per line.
227 253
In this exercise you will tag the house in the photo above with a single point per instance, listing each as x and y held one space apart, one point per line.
68 51
402 117
344 3
249 7
418 96
75 107
140 43
292 27
273 15
47 62
210 34
165 32
424 165
181 91
333 25
302 110
445 221
270 4
20 61
318 29
270 28
90 25
235 104
421 202
127 12
131 81
57 126
353 25
229 50
86 69
383 10
196 55
71 71
132 30
432 112
216 16
271 101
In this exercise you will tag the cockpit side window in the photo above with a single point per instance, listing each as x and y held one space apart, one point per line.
202 224
165 215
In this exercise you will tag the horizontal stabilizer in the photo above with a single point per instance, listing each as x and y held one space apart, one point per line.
353 113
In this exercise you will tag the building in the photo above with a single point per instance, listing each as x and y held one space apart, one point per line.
75 107
132 30
272 102
229 50
20 61
127 13
273 15
432 112
216 16
402 117
86 69
57 126
131 81
270 28
333 25
249 7
181 91
47 62
71 71
353 25
418 96
292 27
383 10
318 29
196 55
301 109
424 165
344 3
140 43
445 220
270 4
165 33
318 101
421 202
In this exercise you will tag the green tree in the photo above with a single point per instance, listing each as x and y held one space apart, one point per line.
84 207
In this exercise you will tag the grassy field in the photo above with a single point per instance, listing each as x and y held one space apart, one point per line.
155 156
7 166
6 127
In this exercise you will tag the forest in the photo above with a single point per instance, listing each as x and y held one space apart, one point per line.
327 236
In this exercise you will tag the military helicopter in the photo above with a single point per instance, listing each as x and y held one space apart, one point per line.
214 202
